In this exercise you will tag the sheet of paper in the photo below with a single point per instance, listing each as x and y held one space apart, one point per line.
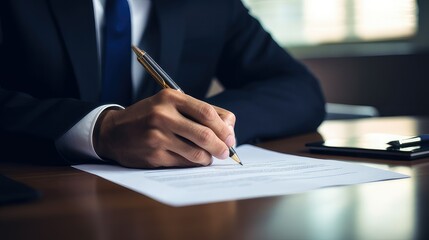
265 173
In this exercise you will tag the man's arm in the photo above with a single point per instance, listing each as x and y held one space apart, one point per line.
40 85
29 126
147 134
270 93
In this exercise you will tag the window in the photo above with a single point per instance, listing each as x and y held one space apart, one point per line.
317 22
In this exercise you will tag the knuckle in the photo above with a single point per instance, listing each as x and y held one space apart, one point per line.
157 117
205 136
231 118
167 95
152 118
225 131
208 112
153 139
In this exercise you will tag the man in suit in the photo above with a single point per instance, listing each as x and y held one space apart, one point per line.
52 63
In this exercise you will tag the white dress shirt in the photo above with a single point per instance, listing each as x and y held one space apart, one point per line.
77 142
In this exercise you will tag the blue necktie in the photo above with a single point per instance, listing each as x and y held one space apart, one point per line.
116 71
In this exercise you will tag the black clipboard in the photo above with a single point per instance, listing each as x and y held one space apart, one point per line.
370 145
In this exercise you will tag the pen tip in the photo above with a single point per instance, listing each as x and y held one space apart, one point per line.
394 143
236 159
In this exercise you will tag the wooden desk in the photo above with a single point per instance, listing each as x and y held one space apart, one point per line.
77 205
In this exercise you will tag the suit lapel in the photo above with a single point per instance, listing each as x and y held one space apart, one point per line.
171 21
77 26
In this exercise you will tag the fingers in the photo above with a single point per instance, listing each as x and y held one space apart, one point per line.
216 119
169 150
227 116
163 158
167 129
201 123
172 159
189 151
202 136
158 149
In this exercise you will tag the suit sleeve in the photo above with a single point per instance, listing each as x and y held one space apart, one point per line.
271 94
29 127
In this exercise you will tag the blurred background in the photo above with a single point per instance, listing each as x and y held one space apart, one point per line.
365 52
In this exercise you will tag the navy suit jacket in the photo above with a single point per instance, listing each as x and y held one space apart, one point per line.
50 79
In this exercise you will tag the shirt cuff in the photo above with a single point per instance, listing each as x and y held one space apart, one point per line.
77 143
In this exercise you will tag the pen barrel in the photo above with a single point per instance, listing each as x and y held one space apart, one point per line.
166 82
167 79
410 141
153 73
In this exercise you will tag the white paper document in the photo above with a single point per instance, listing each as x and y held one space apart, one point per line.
264 173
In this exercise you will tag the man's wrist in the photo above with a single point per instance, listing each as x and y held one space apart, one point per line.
100 139
77 142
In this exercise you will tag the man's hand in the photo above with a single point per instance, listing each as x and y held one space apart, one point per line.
167 129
